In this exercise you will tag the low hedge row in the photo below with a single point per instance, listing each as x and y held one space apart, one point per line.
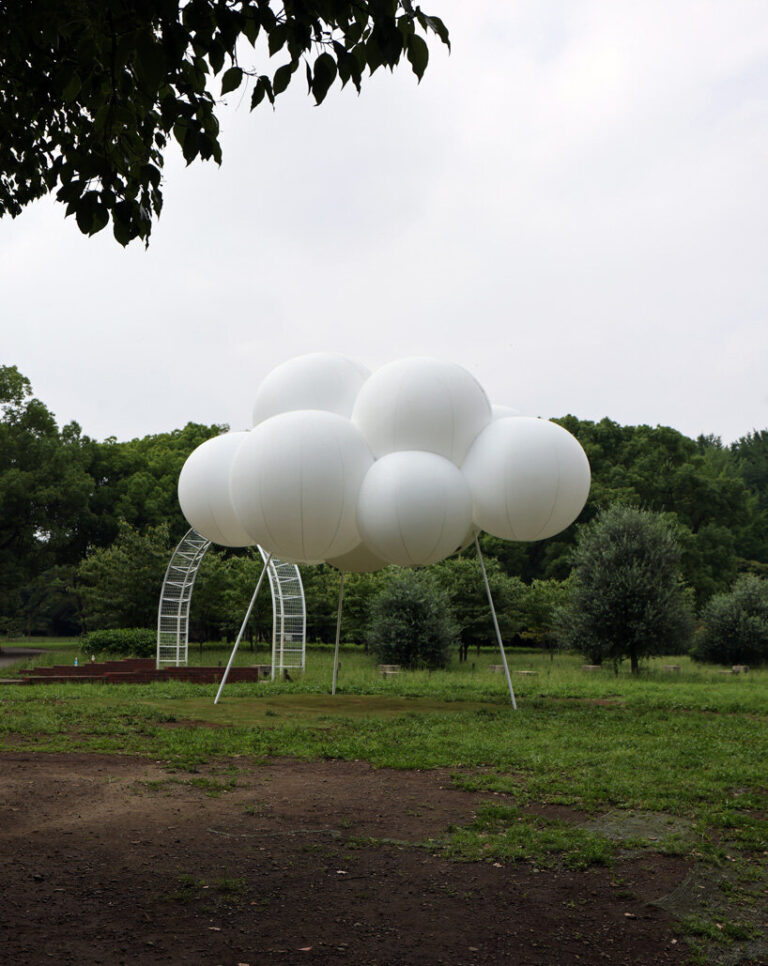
133 641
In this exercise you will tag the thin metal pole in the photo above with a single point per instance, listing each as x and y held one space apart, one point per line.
338 634
496 624
242 628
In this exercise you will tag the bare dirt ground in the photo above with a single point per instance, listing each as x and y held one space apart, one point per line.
117 860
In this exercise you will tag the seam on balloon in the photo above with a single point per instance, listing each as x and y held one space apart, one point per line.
301 494
394 441
439 536
264 517
400 530
506 504
343 477
451 410
557 491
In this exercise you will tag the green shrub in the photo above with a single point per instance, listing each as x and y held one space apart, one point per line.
736 625
135 641
412 623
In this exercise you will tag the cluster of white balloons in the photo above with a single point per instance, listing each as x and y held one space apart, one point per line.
400 466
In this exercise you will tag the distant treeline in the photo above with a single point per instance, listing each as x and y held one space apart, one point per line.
86 527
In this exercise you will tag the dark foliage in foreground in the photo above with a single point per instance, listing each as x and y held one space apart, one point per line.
92 92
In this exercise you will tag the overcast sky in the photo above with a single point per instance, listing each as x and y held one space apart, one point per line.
573 204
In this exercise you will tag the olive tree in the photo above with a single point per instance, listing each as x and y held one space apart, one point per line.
626 598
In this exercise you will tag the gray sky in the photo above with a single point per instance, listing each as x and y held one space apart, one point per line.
573 204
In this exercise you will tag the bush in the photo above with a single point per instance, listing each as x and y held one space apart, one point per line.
133 641
626 597
412 623
736 625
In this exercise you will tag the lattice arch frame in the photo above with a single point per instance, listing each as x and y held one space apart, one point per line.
289 614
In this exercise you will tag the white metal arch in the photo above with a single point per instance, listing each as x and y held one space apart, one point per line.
289 616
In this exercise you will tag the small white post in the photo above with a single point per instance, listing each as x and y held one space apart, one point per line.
338 634
496 624
242 629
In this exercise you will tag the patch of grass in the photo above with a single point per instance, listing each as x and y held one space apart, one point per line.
223 890
507 834
720 931
212 787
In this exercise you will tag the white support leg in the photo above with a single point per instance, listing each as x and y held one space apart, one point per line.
496 624
242 629
338 634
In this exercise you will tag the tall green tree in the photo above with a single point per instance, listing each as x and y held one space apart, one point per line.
626 597
462 581
751 454
660 469
93 91
120 584
44 489
137 480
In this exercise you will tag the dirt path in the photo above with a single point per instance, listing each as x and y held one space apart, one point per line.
111 860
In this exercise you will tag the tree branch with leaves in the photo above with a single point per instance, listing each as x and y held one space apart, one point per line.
93 91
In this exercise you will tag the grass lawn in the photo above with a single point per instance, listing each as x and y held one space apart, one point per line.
662 762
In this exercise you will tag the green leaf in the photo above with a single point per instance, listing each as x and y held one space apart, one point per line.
283 77
216 54
268 88
417 53
251 25
180 129
121 228
324 76
436 25
72 88
100 218
231 80
277 38
373 57
258 94
84 215
150 64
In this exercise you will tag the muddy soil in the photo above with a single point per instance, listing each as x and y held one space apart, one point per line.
118 860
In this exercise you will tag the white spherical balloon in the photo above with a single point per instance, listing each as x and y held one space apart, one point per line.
204 494
320 380
422 404
502 412
414 508
361 560
295 483
529 478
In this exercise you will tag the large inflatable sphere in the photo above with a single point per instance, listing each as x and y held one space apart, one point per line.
320 380
361 560
204 494
529 478
414 508
295 483
422 404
